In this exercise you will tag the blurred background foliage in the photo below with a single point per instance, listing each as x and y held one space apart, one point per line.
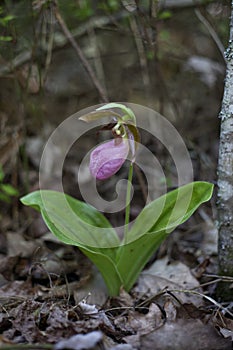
164 54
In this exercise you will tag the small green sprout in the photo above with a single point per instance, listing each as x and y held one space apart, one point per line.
7 191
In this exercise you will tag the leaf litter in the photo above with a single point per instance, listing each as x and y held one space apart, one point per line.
51 294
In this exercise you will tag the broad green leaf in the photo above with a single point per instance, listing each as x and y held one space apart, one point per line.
107 268
78 221
101 257
119 265
132 257
59 224
171 209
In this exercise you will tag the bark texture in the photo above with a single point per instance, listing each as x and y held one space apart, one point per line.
225 168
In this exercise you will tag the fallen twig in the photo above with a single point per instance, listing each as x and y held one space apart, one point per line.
203 296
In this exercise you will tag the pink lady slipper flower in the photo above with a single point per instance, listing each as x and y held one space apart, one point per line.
108 158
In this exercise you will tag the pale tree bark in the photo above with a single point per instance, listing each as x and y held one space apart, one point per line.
225 167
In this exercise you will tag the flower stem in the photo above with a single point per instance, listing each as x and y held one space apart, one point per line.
128 193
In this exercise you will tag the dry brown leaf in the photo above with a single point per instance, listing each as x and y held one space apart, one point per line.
139 323
143 324
24 323
173 276
18 246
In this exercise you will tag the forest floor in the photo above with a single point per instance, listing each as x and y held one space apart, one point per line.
50 294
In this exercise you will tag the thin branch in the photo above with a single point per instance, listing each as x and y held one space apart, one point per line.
98 22
18 61
80 54
49 47
99 68
225 278
141 52
212 32
203 296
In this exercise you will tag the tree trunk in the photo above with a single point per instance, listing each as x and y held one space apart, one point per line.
225 169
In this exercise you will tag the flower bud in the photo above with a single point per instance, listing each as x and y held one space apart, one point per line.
107 158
